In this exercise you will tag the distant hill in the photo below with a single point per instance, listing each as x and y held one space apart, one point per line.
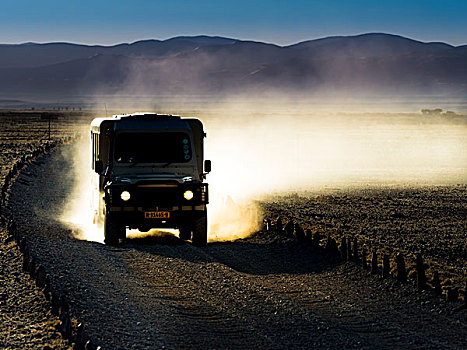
371 44
363 64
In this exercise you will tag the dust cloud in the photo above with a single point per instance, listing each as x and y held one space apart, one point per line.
257 151
78 213
255 155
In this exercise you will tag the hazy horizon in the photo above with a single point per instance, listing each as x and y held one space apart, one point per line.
231 38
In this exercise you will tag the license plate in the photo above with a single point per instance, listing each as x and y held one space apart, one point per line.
156 214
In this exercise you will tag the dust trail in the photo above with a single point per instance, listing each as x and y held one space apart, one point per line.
78 212
258 154
258 151
229 220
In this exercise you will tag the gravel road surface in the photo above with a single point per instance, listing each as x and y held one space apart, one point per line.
264 292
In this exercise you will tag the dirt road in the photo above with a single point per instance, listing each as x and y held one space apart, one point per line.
263 292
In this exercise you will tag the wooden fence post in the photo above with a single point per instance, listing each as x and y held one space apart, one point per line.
356 258
364 257
289 229
40 276
299 233
328 245
436 283
268 222
401 271
25 259
349 249
344 248
386 266
421 277
79 339
55 304
308 235
32 268
374 262
279 225
46 290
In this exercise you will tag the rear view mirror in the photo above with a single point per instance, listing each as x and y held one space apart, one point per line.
98 166
207 166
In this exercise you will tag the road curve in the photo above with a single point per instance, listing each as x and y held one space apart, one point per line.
265 292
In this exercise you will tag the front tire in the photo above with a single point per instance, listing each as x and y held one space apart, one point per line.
113 230
200 231
185 232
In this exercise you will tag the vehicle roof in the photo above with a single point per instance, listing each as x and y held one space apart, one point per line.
134 116
142 121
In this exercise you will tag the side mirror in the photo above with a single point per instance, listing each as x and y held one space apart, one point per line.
207 166
98 167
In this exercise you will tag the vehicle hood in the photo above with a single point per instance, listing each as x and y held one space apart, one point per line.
161 177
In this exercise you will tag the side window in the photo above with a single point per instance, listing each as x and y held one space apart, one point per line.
92 151
95 148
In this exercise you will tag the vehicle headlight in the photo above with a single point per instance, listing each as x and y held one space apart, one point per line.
188 195
125 195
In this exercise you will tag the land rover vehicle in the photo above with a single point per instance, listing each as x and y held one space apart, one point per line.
148 172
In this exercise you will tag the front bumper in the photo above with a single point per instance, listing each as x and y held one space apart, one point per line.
134 217
154 197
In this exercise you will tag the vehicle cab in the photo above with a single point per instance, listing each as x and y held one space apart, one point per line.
149 172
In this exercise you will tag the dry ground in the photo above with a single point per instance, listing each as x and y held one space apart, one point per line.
24 313
431 220
267 291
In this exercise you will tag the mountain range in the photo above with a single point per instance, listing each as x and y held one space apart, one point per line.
374 63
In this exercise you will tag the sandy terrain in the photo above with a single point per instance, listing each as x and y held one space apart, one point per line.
266 291
423 219
24 313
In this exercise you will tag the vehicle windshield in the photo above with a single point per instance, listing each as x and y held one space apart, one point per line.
152 147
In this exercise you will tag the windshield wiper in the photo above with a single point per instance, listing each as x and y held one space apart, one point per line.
167 164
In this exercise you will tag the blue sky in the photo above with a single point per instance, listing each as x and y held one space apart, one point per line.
276 21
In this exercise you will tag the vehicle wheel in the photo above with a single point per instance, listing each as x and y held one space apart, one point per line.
185 233
200 231
113 230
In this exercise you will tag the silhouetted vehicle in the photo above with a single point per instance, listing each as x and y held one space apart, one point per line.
148 173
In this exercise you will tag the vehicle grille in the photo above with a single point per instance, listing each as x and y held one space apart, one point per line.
158 196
